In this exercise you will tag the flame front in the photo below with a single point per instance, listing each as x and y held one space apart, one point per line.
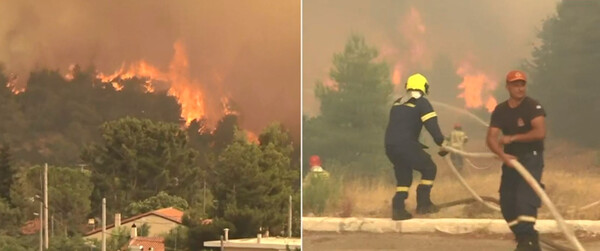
397 74
12 84
416 55
476 86
491 104
227 109
186 90
252 137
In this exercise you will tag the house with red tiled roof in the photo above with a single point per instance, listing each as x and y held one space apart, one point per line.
160 221
146 243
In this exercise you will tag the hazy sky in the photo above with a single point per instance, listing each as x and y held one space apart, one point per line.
248 50
491 36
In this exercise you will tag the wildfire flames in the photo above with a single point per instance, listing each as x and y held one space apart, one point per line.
185 89
12 84
476 86
413 30
397 74
252 137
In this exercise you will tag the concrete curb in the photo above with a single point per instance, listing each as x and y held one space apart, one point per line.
447 225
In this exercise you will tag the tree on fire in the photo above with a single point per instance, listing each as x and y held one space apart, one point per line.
55 117
132 158
564 74
353 112
11 115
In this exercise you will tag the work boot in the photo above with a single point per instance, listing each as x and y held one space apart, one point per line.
424 204
398 209
401 214
528 242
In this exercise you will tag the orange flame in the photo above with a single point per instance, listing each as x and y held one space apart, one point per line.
12 84
71 74
187 91
227 107
397 74
491 104
117 86
416 55
476 86
139 69
252 137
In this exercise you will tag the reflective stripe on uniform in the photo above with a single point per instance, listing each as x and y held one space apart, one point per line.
512 223
405 104
526 218
401 189
426 182
428 116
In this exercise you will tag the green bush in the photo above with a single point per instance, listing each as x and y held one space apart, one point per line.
320 193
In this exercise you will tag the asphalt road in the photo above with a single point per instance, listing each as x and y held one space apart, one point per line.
415 242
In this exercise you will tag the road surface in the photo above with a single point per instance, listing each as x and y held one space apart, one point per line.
415 242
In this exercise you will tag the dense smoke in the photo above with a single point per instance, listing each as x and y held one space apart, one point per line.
484 39
247 51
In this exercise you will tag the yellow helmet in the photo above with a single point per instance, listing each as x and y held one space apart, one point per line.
417 82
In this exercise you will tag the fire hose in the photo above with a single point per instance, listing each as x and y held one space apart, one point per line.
568 232
483 123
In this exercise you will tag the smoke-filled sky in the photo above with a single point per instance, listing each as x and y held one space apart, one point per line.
484 39
248 50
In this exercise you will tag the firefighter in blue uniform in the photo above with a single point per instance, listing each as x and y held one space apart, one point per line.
408 115
521 120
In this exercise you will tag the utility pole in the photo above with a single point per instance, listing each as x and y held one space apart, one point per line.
41 226
103 224
290 219
176 237
46 206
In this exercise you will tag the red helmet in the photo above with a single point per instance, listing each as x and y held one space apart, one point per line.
315 160
515 76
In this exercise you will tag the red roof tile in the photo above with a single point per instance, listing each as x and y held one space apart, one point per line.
157 243
169 213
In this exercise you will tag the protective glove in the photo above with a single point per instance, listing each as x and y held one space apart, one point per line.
443 152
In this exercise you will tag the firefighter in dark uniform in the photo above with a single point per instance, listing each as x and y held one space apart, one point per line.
407 117
521 120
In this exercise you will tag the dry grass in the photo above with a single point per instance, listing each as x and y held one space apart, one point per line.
571 176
